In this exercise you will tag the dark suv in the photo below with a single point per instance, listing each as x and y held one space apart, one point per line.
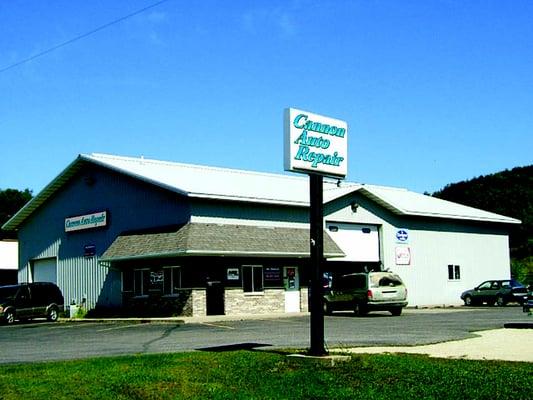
30 300
498 292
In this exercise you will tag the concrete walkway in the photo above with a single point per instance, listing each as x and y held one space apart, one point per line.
498 344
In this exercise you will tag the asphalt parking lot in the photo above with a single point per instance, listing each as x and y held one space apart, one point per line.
44 341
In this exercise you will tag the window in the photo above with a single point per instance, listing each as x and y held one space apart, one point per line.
172 280
485 286
141 282
156 280
252 278
454 272
127 280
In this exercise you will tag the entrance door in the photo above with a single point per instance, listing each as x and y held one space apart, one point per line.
291 281
214 298
44 270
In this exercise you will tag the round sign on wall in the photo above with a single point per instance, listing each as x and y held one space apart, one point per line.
402 235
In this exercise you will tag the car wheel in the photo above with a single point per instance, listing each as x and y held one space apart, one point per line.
500 301
397 311
360 310
468 301
327 308
9 317
52 315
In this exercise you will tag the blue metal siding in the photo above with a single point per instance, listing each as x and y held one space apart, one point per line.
131 205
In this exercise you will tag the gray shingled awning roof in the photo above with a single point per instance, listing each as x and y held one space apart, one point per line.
201 239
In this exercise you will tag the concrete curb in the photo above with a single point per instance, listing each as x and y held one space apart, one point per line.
190 320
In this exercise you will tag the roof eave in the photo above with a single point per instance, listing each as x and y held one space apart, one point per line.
16 220
511 221
249 199
213 253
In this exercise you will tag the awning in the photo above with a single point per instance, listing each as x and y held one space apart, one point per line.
201 239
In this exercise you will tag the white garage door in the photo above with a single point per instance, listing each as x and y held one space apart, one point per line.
359 242
45 270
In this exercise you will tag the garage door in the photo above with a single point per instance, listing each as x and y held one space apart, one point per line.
45 270
359 242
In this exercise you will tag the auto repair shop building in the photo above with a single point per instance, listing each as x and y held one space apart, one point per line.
161 238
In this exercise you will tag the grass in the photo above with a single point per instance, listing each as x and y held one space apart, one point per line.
264 375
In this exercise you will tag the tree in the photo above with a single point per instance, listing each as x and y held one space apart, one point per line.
11 201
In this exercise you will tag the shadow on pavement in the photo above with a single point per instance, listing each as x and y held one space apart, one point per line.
235 347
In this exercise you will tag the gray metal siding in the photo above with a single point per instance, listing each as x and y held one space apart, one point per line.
480 249
131 205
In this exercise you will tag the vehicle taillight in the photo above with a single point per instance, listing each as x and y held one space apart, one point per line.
369 294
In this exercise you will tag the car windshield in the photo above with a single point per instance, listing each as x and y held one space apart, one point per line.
385 279
515 283
8 292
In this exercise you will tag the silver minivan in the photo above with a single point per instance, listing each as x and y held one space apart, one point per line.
365 292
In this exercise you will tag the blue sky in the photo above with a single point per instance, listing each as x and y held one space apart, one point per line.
434 92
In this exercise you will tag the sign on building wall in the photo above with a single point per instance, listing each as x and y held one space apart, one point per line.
87 221
402 235
315 143
403 256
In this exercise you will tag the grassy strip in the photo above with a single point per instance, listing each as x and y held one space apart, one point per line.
262 375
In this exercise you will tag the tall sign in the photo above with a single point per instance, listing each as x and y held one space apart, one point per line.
316 145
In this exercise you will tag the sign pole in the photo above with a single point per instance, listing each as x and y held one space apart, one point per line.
318 146
317 257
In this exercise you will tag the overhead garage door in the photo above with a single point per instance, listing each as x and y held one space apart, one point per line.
359 242
45 270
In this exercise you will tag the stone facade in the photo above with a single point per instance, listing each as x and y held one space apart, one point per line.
269 301
304 300
199 308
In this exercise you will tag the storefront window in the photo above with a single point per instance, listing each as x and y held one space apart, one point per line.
172 280
156 281
127 281
141 282
252 278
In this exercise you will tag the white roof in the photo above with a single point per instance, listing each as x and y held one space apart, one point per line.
404 202
211 182
238 185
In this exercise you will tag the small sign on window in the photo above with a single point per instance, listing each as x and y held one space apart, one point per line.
233 274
